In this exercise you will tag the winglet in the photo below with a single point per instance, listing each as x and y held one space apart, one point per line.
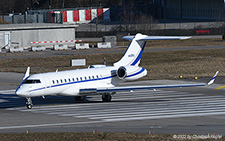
27 73
213 79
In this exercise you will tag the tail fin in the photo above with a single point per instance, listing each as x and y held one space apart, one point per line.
133 54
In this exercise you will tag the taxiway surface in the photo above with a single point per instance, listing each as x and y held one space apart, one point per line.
177 111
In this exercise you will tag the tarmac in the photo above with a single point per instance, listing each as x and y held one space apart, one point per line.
198 111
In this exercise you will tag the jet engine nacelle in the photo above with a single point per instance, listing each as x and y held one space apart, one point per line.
130 72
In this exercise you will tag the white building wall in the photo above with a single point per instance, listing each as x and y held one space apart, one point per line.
23 38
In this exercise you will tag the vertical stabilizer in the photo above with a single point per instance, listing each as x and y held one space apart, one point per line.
134 52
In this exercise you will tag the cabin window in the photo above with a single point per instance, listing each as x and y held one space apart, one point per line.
96 76
57 81
93 77
53 81
61 80
89 77
65 80
73 79
69 80
77 79
81 78
31 81
85 78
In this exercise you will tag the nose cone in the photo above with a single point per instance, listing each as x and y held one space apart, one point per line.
21 92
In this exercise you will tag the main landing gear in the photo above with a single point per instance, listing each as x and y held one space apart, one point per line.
80 98
106 97
29 103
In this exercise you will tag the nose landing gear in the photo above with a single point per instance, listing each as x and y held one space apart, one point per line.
29 103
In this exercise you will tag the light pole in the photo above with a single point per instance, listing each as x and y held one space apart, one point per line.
49 4
63 3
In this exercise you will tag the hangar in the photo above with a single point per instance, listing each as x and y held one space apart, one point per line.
178 9
194 9
22 35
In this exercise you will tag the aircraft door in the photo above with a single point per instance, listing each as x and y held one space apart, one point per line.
47 85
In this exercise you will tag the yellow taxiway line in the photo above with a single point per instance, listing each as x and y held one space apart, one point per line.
220 87
9 83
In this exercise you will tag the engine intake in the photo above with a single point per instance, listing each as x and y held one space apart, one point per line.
121 73
130 73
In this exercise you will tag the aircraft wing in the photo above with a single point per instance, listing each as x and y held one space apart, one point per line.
129 88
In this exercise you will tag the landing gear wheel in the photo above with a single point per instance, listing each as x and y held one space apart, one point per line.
29 103
29 106
106 98
80 98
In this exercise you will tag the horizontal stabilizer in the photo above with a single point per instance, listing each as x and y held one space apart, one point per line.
158 38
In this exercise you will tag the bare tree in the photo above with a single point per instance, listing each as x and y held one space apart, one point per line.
128 15
146 24
220 22
135 21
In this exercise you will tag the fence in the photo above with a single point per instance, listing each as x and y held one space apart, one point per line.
170 28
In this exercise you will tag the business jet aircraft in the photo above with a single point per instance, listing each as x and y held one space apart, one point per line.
96 79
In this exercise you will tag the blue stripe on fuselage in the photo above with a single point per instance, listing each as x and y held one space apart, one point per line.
136 73
139 56
86 81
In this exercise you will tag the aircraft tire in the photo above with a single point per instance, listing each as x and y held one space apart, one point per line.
29 106
106 98
80 98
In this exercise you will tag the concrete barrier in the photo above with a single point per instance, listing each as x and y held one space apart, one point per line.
60 47
104 45
82 46
56 45
38 48
16 49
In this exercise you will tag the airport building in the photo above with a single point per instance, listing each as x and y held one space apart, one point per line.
178 9
27 35
194 9
131 9
62 16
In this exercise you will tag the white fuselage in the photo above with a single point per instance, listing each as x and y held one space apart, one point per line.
97 79
69 83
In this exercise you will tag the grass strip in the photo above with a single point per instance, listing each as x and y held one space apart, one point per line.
103 137
160 65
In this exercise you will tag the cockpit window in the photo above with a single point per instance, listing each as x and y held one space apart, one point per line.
33 81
